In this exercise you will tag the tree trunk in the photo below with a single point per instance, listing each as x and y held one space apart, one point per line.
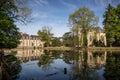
0 72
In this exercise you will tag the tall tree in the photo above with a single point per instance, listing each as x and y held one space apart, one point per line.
80 21
45 35
112 25
108 24
9 33
117 26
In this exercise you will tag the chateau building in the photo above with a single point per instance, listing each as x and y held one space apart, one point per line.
30 41
94 36
97 34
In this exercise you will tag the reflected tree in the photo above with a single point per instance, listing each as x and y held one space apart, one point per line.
10 66
78 61
112 67
82 71
69 57
45 61
56 54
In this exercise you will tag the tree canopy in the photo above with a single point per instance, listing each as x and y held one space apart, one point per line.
112 25
45 35
82 20
56 42
16 10
69 39
9 14
9 34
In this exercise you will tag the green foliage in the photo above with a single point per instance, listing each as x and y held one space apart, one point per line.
45 59
81 20
69 39
15 10
56 42
11 66
8 9
112 67
9 34
112 25
11 11
45 35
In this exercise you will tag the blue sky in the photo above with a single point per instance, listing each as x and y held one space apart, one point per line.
55 13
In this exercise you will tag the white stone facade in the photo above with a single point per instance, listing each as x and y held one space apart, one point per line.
100 36
30 41
98 32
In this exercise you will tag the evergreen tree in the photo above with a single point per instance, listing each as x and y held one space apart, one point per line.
117 26
108 24
112 25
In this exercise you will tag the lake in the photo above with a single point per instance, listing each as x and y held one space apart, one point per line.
65 65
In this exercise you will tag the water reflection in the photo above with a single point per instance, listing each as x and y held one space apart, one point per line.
25 55
66 65
87 66
45 61
84 65
9 67
112 67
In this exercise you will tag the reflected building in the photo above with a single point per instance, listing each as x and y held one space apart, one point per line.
96 59
25 55
93 59
88 65
30 41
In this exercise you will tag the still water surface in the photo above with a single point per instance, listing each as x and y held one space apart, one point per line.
68 65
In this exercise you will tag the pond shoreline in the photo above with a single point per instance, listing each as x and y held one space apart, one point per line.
69 48
59 48
83 48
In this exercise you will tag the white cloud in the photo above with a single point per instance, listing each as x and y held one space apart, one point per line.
68 4
41 2
40 15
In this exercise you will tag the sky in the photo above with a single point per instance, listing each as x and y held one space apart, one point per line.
55 14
